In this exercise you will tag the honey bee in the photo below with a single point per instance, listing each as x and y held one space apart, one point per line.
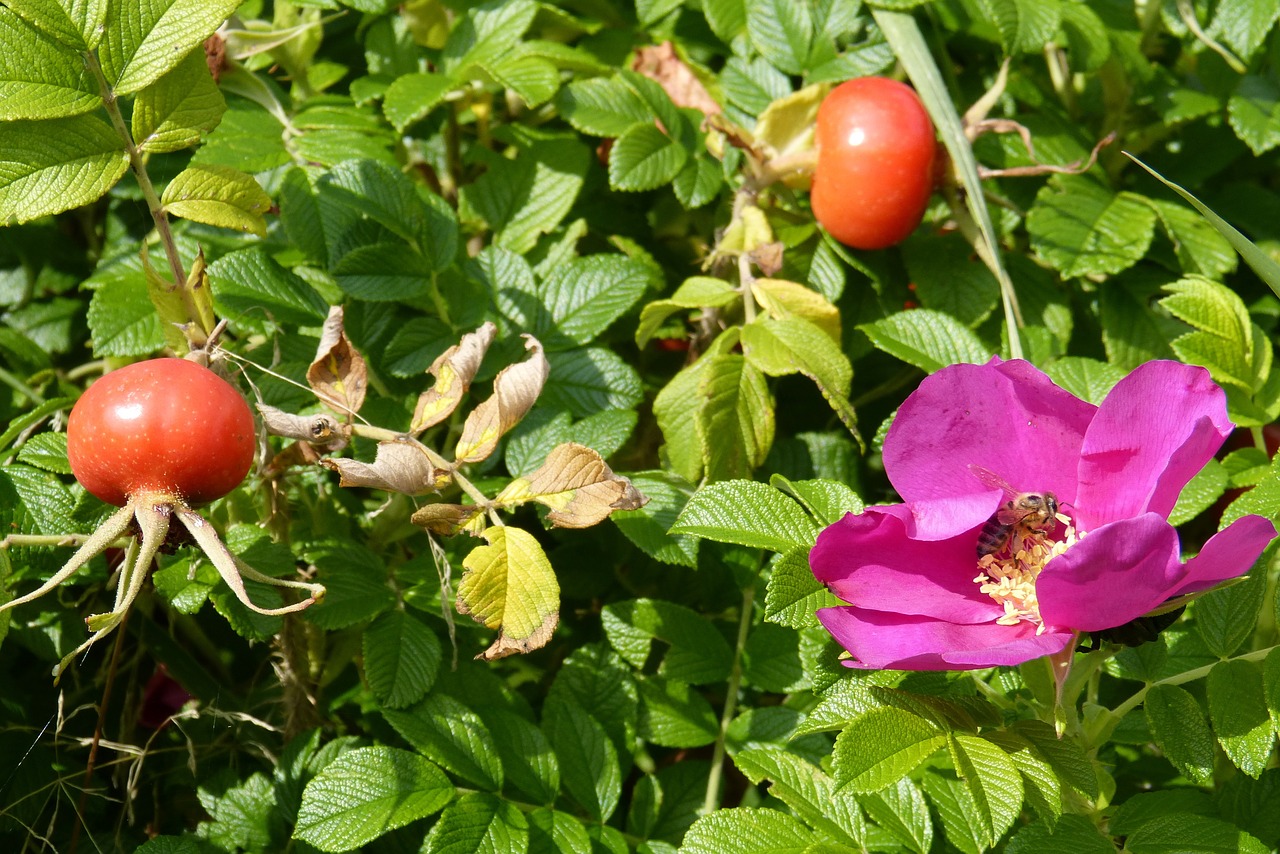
1027 513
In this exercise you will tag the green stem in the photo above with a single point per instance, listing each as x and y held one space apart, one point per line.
139 167
20 387
712 799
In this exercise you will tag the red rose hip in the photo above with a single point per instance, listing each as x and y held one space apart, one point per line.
166 426
876 162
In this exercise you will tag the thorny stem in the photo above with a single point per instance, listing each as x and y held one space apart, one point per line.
712 798
139 167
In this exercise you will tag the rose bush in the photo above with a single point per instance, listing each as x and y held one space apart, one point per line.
919 597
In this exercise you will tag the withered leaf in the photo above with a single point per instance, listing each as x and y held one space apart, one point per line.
453 369
661 64
338 374
450 519
398 467
515 389
319 429
509 585
578 486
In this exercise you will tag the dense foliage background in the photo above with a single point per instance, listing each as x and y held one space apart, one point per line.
599 175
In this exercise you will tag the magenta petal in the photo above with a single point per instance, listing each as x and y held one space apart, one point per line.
870 561
1229 553
897 642
1152 433
1115 574
1004 416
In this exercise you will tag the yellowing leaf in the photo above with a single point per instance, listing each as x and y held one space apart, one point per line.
788 299
218 195
514 391
453 369
785 131
398 467
509 585
186 312
338 374
577 485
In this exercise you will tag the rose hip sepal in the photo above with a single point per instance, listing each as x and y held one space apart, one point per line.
154 438
920 596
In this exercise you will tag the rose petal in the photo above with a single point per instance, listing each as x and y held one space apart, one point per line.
870 561
1115 574
1152 433
898 642
1229 553
1007 417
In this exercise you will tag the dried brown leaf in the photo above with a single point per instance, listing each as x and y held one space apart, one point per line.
450 519
505 645
319 429
660 63
514 391
338 374
398 467
578 486
453 369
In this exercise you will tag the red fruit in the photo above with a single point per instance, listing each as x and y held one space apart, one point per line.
167 426
876 162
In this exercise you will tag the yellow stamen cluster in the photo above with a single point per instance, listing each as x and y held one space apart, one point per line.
1009 575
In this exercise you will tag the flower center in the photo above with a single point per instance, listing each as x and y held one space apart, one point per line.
1009 575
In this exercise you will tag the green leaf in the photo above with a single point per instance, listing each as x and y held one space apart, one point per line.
78 24
453 736
552 831
782 32
826 500
961 821
747 830
1081 228
485 33
412 96
122 318
1088 379
1260 262
523 198
602 106
218 195
748 513
355 581
528 762
927 339
902 812
588 761
694 292
401 658
1180 730
1223 340
1192 834
46 451
384 272
1225 618
882 747
509 585
586 295
648 527
1072 834
476 823
178 109
588 380
804 788
949 280
771 660
1238 710
735 420
55 165
793 594
1254 113
645 158
39 77
673 714
794 345
698 182
1041 786
250 286
533 79
1200 493
597 678
1245 24
366 792
1201 248
143 41
698 654
992 781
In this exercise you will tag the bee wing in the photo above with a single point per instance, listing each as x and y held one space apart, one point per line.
992 480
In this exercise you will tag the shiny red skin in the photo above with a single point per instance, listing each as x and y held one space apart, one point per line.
877 157
165 425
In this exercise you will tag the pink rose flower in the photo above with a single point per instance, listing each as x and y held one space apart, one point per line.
920 597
